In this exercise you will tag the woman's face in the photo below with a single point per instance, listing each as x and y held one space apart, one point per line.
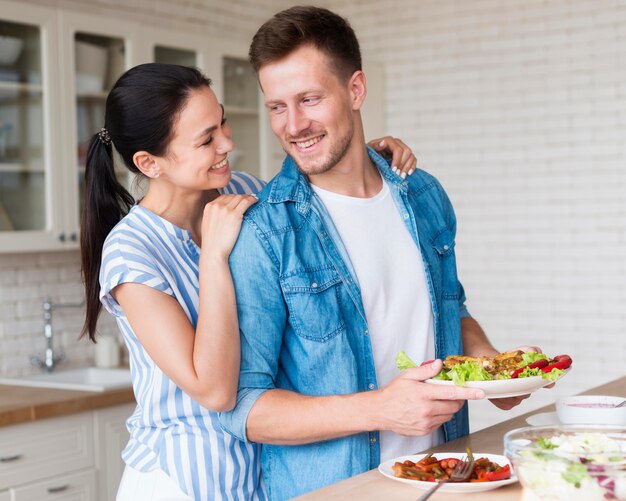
197 154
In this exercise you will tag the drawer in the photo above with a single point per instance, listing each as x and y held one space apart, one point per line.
74 487
45 448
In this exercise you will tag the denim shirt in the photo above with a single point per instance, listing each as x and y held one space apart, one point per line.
302 322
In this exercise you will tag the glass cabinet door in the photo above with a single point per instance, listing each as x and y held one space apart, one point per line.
241 104
99 62
22 141
171 55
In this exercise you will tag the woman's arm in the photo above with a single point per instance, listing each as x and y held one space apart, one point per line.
203 362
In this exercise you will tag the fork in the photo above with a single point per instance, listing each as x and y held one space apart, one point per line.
461 473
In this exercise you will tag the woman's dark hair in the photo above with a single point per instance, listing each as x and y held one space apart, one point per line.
140 113
292 28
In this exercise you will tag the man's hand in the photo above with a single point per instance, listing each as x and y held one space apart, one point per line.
409 406
507 404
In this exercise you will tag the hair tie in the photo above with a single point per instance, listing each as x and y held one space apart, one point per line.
104 136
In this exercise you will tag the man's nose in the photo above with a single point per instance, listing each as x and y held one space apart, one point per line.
296 122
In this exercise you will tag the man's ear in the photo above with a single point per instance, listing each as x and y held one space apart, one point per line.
358 89
146 163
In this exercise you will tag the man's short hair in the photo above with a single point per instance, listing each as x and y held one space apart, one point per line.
297 26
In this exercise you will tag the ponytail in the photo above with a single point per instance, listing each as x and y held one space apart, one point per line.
106 202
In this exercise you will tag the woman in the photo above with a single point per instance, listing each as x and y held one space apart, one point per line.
175 305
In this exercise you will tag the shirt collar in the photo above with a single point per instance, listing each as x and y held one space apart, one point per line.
293 186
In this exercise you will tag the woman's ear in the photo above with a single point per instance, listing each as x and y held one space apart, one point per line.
147 164
358 89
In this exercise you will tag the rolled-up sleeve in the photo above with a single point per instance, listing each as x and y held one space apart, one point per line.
262 316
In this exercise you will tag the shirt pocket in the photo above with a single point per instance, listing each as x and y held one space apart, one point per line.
313 300
443 244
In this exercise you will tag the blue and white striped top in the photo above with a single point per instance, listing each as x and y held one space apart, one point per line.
169 430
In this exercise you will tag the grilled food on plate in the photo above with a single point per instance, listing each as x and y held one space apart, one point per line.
507 365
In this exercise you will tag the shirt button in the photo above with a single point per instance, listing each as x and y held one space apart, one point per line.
314 285
373 440
445 247
366 332
406 216
371 386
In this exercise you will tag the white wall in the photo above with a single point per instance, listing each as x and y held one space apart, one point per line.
519 108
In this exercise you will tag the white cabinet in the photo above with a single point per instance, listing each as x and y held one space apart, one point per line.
94 52
112 437
75 487
29 134
47 448
52 100
75 457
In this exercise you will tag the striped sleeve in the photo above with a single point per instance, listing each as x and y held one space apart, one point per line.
125 259
243 183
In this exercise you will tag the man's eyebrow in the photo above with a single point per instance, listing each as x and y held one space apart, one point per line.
208 130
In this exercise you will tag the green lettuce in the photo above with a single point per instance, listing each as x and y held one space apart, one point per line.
467 371
403 361
575 474
553 375
530 357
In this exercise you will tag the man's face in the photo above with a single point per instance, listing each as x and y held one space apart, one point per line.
310 109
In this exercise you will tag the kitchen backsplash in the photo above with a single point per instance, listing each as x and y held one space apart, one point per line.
25 280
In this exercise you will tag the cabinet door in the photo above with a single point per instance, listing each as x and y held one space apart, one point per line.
95 51
74 487
43 449
30 205
112 437
236 87
5 496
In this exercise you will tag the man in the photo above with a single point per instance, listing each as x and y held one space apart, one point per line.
339 266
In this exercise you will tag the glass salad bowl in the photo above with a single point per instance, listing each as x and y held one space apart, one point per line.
569 463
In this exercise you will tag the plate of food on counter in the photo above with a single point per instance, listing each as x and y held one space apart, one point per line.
508 374
490 471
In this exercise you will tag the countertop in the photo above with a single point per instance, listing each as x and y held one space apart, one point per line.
20 404
373 486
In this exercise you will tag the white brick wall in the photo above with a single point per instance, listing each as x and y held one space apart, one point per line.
25 280
519 108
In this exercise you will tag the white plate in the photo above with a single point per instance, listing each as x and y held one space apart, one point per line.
385 469
503 388
543 419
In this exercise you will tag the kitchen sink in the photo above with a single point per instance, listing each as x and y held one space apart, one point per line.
85 379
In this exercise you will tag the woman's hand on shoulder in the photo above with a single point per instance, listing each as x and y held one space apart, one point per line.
221 222
403 161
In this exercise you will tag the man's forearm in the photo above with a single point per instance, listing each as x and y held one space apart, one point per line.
475 342
286 418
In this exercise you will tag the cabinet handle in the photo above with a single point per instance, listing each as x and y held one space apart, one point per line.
62 237
73 237
60 488
8 459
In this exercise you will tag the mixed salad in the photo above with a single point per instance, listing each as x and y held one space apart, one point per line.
509 365
584 466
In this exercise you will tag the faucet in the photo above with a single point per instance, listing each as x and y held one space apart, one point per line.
48 363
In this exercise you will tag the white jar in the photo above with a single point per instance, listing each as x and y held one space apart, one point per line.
107 352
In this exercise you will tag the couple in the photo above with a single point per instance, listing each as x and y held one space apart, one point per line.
281 329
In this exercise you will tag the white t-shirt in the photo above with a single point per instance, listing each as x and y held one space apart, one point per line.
391 276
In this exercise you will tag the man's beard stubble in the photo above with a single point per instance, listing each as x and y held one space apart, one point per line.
336 154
